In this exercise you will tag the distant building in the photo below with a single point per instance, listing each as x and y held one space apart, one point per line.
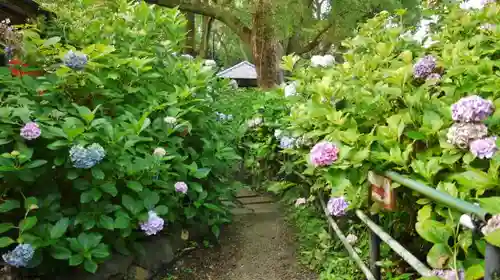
243 73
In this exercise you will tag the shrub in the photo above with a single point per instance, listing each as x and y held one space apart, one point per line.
93 148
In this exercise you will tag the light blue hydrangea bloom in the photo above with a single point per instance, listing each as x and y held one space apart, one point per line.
20 256
86 157
75 61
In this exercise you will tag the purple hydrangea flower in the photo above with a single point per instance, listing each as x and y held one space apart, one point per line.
433 78
484 148
75 61
492 225
181 187
472 109
323 153
337 206
449 274
9 51
30 131
20 256
424 67
153 225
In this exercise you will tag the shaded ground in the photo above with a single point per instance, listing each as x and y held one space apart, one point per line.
258 245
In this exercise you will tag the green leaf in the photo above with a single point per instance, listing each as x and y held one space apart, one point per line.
5 241
56 145
60 253
439 255
151 200
433 231
122 222
216 230
36 163
106 222
491 204
8 205
84 113
51 41
474 272
415 135
134 185
109 188
214 208
424 213
4 227
28 223
90 266
493 238
474 179
100 252
59 229
30 203
201 173
72 174
97 173
161 210
75 260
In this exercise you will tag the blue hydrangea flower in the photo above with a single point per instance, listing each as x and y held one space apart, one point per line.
287 142
337 206
75 61
86 157
9 51
20 256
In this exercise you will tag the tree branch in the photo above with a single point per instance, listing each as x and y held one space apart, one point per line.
315 41
223 14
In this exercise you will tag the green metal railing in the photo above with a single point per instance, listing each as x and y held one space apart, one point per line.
377 234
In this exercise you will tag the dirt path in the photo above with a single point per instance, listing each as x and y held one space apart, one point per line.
258 245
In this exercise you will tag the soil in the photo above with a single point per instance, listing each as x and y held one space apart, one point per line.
257 245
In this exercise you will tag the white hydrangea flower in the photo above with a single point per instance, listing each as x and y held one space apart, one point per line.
322 61
475 4
233 84
351 238
159 152
278 133
187 56
170 120
255 122
290 90
210 63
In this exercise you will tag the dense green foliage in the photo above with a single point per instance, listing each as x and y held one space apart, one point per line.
119 100
383 118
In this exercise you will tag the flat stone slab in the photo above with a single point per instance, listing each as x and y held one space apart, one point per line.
255 200
263 208
246 192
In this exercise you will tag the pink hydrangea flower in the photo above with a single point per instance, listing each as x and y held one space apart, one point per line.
181 187
323 153
30 131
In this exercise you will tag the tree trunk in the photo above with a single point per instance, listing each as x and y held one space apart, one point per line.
205 37
264 45
190 38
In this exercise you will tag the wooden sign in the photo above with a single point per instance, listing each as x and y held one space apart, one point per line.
381 191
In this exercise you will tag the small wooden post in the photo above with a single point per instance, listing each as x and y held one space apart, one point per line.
375 250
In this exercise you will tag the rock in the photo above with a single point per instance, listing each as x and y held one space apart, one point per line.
113 267
159 252
138 273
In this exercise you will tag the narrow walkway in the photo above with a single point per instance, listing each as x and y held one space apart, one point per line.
258 245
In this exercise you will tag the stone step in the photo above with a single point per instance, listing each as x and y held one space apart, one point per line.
255 200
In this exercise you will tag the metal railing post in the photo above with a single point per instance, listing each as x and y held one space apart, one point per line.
492 262
375 250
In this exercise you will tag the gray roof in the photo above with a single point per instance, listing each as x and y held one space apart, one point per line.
242 70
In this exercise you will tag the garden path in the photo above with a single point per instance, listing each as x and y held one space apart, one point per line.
258 245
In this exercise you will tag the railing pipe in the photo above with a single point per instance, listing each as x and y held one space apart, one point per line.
375 251
395 246
347 245
444 198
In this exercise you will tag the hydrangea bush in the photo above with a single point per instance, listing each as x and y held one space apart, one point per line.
426 111
95 150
